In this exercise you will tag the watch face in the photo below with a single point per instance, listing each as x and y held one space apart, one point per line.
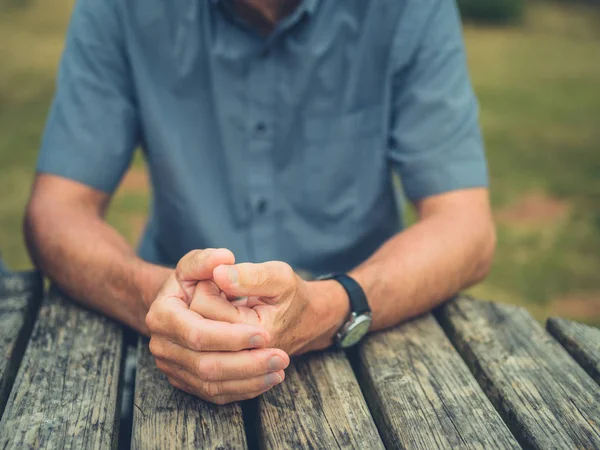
356 331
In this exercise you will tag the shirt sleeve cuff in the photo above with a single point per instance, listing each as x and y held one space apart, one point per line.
94 178
445 178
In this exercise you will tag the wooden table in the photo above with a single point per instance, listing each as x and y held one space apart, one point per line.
474 375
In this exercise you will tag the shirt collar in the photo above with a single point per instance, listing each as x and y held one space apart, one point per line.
308 6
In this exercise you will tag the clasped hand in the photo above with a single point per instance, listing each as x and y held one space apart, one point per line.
224 331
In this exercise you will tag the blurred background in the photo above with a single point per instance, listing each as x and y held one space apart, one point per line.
536 68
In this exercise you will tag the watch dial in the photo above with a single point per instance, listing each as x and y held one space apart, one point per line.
356 332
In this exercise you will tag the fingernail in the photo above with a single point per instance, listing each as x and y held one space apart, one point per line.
232 274
257 341
272 379
276 363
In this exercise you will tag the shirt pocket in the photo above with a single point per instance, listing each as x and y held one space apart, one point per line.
339 160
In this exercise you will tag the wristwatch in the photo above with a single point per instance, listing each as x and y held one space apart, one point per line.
357 325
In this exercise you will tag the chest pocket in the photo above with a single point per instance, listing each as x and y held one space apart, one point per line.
339 161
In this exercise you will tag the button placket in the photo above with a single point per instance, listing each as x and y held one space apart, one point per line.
260 167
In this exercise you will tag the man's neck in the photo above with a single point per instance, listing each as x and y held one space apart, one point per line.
264 14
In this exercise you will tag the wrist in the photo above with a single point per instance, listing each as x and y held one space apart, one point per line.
149 279
330 308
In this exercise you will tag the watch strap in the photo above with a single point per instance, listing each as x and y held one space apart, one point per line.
358 299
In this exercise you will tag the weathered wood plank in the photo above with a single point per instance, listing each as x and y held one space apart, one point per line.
66 392
547 400
20 296
319 405
423 395
166 418
581 341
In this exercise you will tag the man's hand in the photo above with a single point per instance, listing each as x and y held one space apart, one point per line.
300 316
215 360
449 248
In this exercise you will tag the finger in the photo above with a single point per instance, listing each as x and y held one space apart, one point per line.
221 400
270 279
213 389
238 301
209 302
198 265
253 301
188 329
221 366
224 399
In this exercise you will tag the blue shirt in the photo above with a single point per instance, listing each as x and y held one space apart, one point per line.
278 148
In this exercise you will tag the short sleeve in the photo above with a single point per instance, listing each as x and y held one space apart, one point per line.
435 143
92 129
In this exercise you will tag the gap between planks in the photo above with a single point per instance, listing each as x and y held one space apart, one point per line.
544 396
20 297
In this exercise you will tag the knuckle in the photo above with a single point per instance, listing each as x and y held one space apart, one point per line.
208 369
287 273
259 278
284 274
151 320
162 365
194 339
258 364
157 314
155 347
179 272
181 268
175 383
198 256
213 389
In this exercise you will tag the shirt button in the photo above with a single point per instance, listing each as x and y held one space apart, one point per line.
261 206
260 128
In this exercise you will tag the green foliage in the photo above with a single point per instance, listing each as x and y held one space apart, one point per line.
492 11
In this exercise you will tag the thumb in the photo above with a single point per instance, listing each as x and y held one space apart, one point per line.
269 280
198 265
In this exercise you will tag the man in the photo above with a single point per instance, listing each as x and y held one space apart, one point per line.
271 131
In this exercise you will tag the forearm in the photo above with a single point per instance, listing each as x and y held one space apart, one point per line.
450 248
425 265
92 262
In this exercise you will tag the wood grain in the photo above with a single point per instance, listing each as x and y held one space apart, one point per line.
581 341
166 418
319 405
423 395
20 296
545 397
66 392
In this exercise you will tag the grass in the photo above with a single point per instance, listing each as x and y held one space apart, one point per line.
540 110
540 98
